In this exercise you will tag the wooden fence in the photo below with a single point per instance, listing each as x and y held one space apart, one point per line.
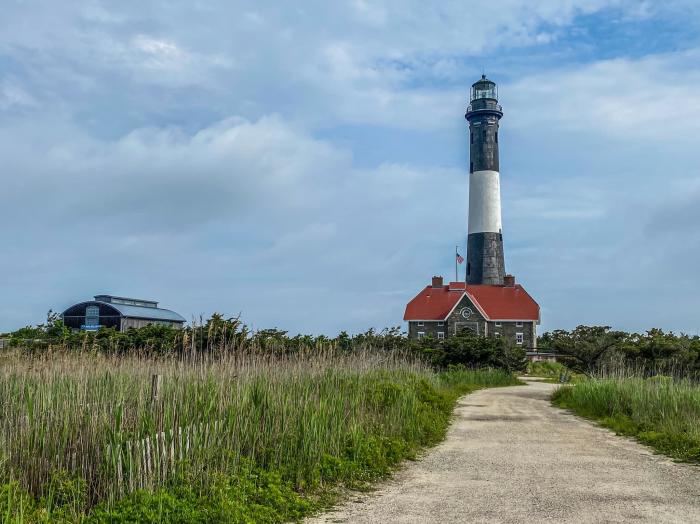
145 463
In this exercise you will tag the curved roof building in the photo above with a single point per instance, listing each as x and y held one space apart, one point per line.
120 313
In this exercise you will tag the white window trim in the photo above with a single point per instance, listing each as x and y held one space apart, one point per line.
441 335
421 334
497 323
522 338
497 334
420 323
518 323
441 323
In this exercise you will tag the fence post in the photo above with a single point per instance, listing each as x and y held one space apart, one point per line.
155 387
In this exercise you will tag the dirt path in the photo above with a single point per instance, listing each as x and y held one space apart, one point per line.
512 457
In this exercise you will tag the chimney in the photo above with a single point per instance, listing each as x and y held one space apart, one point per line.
437 281
509 281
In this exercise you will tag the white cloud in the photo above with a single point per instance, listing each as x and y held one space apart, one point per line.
340 187
255 205
653 97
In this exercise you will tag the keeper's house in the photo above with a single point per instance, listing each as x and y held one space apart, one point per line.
120 313
489 310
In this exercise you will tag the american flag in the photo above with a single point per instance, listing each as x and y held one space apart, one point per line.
460 258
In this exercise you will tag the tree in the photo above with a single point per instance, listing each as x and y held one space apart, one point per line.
583 348
468 349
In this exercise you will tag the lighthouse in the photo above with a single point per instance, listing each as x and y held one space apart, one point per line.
485 261
489 303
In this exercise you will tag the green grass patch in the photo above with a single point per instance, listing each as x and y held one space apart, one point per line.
660 412
254 438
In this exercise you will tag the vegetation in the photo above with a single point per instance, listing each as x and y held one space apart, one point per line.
220 336
469 349
265 433
546 369
659 411
593 350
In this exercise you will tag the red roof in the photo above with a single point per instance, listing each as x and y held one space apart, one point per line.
495 302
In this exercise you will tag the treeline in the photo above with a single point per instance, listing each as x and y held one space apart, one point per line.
595 350
219 336
586 349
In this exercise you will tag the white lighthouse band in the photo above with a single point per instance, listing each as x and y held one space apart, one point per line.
484 202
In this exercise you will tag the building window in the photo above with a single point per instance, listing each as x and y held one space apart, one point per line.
421 334
92 316
497 324
519 324
519 338
496 334
441 324
421 324
441 335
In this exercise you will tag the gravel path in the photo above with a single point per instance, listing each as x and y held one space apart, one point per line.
512 457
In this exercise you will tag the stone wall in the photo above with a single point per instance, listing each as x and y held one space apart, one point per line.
428 328
510 329
456 321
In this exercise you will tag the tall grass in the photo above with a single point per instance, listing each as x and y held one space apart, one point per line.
85 427
660 411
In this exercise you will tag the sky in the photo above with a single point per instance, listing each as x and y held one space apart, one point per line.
304 164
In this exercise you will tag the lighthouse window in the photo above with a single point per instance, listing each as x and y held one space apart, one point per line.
471 138
469 268
496 137
471 167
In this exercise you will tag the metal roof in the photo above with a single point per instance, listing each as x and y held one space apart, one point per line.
150 313
125 300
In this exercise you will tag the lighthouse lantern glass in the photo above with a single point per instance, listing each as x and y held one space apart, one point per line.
485 90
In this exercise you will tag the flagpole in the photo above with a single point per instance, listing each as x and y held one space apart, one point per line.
456 270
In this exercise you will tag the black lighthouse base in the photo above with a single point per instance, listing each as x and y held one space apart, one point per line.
485 263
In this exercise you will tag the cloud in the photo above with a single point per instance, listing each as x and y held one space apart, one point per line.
654 97
258 206
306 164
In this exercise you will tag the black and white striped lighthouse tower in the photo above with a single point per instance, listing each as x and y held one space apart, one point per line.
485 263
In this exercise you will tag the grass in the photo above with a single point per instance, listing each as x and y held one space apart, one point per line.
252 437
661 412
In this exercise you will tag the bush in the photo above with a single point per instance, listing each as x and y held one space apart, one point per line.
471 350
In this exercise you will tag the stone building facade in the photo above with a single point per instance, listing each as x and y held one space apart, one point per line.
441 311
